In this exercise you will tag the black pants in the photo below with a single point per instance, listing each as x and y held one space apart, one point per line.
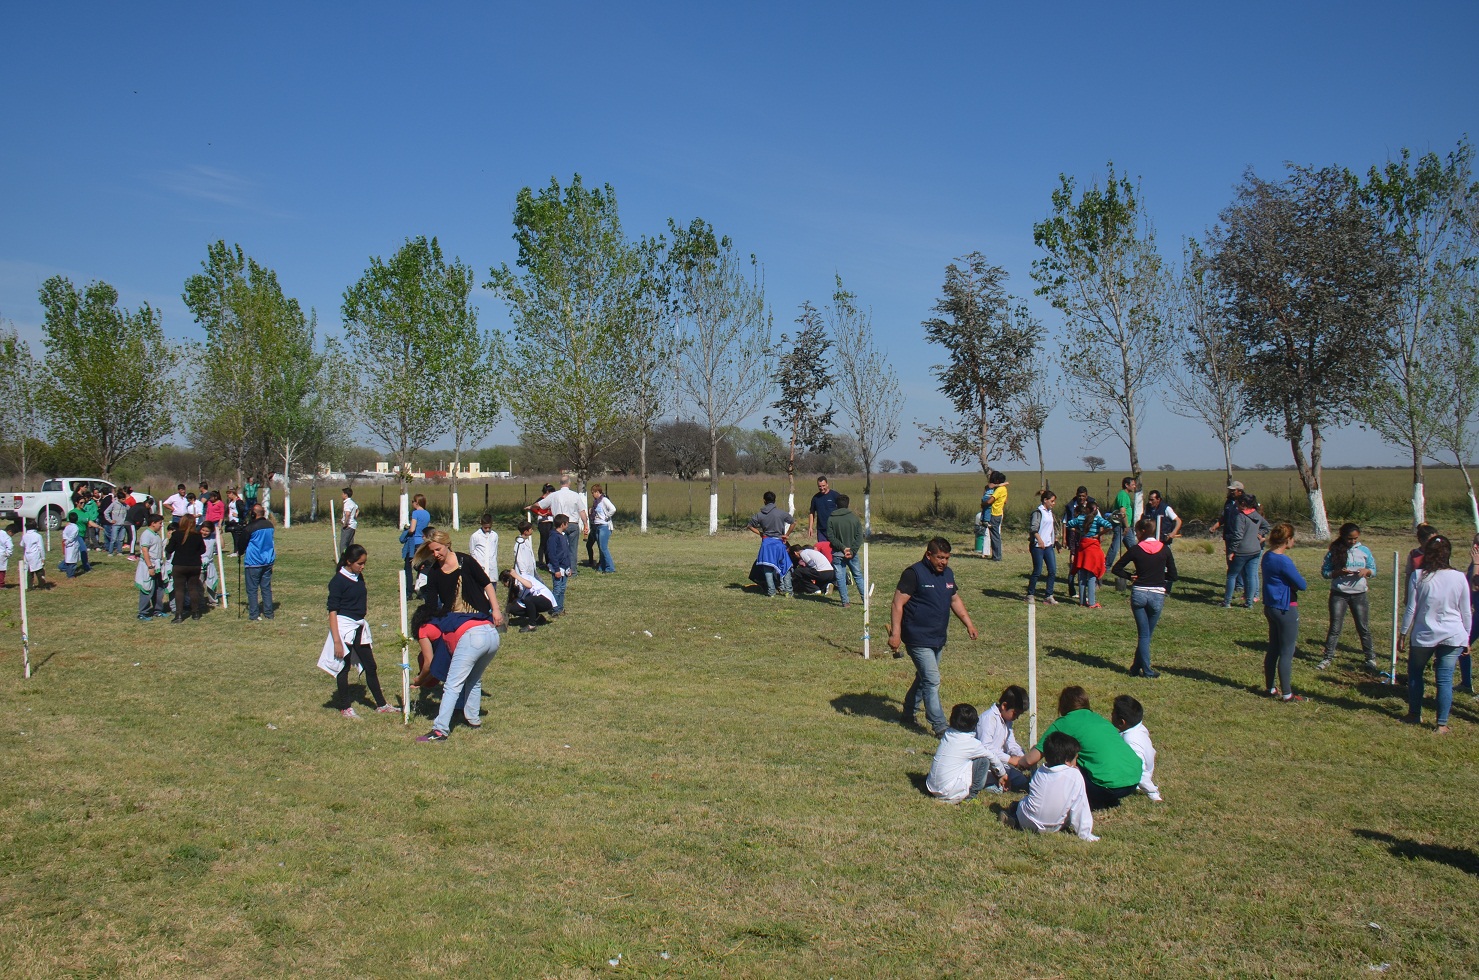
187 584
535 606
372 679
802 577
1101 798
544 527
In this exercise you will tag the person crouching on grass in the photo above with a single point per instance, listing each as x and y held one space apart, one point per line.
1056 799
349 634
528 597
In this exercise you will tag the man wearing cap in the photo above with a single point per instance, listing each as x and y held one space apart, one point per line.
1231 519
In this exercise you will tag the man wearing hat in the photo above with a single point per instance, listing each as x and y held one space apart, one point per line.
1232 515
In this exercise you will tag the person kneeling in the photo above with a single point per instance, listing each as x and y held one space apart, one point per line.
962 766
812 571
1056 798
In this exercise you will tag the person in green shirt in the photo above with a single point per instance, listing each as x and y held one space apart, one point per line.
845 532
1122 515
1111 768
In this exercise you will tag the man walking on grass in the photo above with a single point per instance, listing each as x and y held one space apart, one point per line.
918 621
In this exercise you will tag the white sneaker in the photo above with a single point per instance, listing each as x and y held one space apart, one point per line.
349 713
386 709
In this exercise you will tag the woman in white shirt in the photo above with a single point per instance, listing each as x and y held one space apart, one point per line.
1436 627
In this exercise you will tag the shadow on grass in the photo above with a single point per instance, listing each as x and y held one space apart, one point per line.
1004 594
879 706
918 779
1462 859
1089 660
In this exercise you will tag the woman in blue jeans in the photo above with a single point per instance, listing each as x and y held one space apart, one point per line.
1436 625
1282 584
1155 570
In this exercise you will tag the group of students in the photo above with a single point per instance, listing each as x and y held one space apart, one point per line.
830 556
1082 763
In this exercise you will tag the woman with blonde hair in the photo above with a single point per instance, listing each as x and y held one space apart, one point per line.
455 580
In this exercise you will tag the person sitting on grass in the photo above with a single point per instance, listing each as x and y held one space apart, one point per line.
528 597
1057 798
1128 717
1111 768
962 765
995 732
811 571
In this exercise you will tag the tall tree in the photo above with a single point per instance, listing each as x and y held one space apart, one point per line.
867 386
802 376
108 387
1306 275
471 403
568 371
1431 209
988 337
300 410
1458 422
1209 386
1034 407
654 348
724 331
21 424
399 320
1100 268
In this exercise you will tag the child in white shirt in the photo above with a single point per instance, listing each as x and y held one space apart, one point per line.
961 767
483 546
1128 716
33 553
1056 799
7 546
1002 749
71 547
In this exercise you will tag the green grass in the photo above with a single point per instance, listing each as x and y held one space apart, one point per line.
733 791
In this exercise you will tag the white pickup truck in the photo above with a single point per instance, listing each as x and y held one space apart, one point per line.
53 501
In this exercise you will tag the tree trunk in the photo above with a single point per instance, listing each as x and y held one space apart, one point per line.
1419 503
1042 472
1227 457
1318 515
1469 487
456 501
713 482
287 493
642 465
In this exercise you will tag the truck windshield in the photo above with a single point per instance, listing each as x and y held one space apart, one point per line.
51 485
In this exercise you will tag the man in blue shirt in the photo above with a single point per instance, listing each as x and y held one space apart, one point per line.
823 503
254 543
918 621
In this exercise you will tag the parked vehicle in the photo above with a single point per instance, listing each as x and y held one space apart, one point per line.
49 505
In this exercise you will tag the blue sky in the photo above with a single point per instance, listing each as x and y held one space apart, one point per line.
862 139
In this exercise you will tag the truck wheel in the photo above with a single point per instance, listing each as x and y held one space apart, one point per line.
54 518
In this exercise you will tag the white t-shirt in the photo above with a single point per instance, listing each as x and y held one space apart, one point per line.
603 511
484 550
1438 611
1056 798
950 772
996 734
1138 738
565 501
1045 530
815 560
177 504
197 510
351 513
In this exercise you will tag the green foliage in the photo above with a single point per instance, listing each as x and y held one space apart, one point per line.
569 366
108 389
867 386
1100 268
989 339
802 376
400 319
21 426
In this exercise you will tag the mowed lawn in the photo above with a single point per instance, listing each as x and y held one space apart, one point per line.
730 795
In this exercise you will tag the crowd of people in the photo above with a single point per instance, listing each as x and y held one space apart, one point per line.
828 556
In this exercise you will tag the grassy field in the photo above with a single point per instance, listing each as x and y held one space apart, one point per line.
730 795
1377 498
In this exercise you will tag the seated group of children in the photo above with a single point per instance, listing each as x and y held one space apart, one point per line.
1083 763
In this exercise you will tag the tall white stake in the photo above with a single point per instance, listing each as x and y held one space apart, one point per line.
405 507
713 513
287 498
22 574
333 530
456 512
864 586
405 654
1032 669
644 509
221 570
1396 598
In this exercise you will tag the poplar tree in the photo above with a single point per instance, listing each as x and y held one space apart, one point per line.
801 377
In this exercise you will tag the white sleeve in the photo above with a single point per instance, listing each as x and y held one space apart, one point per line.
1080 817
1013 746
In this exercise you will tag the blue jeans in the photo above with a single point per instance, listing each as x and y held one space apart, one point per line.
559 584
1146 607
843 567
1242 568
603 541
464 686
1122 536
993 527
113 538
926 688
1444 658
1088 588
259 577
69 568
1041 557
572 534
82 546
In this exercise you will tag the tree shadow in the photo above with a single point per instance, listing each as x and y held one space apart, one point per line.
868 705
1089 660
1460 858
1207 677
999 593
